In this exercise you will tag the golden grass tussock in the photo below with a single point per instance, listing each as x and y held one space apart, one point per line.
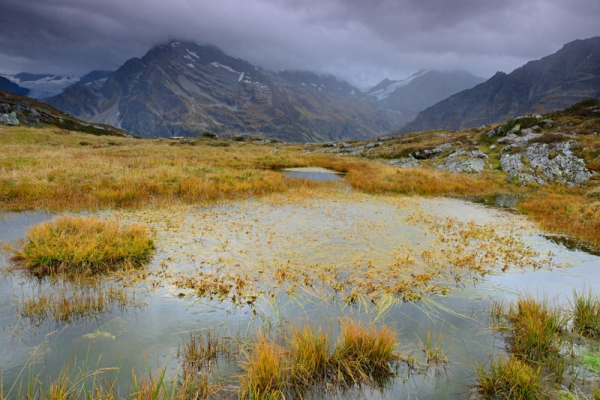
266 371
307 359
84 246
310 349
364 353
586 313
510 379
534 328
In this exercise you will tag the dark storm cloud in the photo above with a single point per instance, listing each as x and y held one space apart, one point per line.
359 40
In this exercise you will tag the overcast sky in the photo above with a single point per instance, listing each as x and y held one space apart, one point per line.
361 41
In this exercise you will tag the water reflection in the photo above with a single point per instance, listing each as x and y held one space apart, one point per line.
315 174
348 234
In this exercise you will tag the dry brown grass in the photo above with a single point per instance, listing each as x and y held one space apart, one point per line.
78 246
42 170
47 169
565 211
379 178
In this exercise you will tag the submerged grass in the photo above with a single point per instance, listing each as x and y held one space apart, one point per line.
84 246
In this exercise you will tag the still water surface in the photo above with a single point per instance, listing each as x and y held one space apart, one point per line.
337 231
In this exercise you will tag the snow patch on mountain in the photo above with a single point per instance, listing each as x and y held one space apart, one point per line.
192 53
387 91
42 86
216 64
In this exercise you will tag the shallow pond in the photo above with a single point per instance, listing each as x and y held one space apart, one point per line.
271 263
312 173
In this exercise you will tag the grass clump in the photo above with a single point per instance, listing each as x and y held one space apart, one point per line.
534 328
84 246
306 360
363 353
510 379
309 355
266 371
586 313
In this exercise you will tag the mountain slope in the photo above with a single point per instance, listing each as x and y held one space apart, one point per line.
32 113
551 83
12 87
182 89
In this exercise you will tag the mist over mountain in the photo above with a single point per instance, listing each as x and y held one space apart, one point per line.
41 86
401 101
554 82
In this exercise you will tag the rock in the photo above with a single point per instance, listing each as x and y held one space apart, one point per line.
433 152
492 147
468 164
384 138
526 136
491 133
9 119
547 123
545 163
404 162
516 128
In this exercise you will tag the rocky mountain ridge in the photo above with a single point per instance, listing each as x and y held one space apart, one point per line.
401 101
183 89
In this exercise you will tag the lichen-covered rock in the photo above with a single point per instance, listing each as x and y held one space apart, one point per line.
470 165
9 119
404 162
545 163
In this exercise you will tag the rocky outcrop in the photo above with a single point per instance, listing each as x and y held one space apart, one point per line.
404 162
468 162
544 163
9 119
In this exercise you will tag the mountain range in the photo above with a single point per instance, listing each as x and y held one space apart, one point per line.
554 82
184 89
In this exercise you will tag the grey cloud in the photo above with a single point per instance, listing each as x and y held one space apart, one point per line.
360 41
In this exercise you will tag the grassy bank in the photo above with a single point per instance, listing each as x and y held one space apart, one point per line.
55 170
